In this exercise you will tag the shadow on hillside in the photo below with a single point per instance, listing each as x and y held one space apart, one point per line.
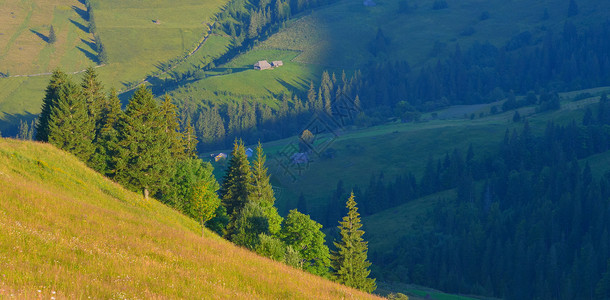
294 89
9 124
90 55
40 35
80 26
81 12
89 43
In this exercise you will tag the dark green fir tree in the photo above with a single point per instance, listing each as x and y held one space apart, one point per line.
93 92
237 182
58 79
349 262
144 161
262 191
107 140
70 127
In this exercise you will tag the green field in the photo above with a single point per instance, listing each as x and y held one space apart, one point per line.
398 148
328 38
68 232
24 28
136 45
339 35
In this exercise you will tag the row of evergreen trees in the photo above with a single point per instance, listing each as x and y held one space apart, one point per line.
145 149
142 147
528 221
248 197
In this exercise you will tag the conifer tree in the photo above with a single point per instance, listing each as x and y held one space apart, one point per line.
145 158
70 127
349 262
52 37
311 96
237 182
107 141
172 128
58 79
93 92
262 192
189 140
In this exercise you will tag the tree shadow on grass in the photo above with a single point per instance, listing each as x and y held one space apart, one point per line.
90 55
80 26
81 12
89 43
40 35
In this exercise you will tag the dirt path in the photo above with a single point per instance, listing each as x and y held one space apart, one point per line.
143 81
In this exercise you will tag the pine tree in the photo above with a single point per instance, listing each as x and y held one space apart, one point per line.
172 128
145 160
107 141
189 140
94 96
237 182
70 127
58 79
262 192
349 263
52 38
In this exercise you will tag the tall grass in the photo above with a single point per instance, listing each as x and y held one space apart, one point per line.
67 232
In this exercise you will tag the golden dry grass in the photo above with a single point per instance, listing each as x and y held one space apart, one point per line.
68 232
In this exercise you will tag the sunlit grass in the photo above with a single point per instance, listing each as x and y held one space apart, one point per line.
67 232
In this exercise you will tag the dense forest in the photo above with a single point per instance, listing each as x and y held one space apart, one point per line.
530 215
483 73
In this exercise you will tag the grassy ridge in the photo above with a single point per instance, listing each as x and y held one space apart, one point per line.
68 232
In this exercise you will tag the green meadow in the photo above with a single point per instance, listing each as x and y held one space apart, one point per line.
68 232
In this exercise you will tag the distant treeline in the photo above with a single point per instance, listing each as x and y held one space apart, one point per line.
529 220
484 73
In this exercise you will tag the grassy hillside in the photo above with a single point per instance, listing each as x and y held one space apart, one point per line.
24 46
66 231
25 50
397 148
138 37
340 36
135 44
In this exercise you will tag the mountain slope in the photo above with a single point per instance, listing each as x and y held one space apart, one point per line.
69 232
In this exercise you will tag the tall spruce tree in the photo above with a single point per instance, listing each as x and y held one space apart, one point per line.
262 192
107 140
58 79
172 128
145 160
237 182
349 262
69 125
93 92
52 37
